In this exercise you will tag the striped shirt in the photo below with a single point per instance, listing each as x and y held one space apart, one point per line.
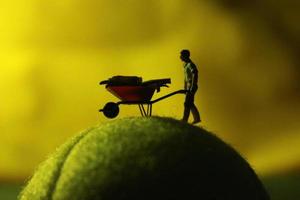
190 76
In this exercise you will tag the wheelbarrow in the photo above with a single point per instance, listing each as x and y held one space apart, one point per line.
131 90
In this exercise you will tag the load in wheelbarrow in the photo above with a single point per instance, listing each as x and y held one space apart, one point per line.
131 90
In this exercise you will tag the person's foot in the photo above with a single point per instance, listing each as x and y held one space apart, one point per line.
196 121
184 120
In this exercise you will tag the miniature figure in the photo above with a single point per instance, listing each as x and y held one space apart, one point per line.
190 85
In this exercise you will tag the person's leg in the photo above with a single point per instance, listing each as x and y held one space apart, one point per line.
186 113
187 107
193 108
196 114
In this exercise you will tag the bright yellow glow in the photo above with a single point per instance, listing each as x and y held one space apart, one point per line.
53 55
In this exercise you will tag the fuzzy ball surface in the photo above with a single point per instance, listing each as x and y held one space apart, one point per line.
138 158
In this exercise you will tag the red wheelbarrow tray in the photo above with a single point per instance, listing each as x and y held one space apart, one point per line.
142 92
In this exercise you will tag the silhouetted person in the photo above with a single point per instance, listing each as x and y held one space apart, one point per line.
190 84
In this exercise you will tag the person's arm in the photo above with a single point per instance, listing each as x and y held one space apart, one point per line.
192 82
185 80
193 72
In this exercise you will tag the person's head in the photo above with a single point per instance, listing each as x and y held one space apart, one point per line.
185 55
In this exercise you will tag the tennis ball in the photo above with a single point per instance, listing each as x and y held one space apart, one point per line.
150 158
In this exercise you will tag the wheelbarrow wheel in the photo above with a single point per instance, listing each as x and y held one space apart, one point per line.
110 110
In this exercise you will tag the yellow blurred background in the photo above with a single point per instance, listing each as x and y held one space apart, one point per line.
54 53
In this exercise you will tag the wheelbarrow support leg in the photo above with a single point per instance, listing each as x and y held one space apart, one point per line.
142 109
149 110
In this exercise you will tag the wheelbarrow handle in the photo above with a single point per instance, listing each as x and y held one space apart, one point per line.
168 95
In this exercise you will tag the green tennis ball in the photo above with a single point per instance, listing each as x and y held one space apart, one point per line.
145 159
